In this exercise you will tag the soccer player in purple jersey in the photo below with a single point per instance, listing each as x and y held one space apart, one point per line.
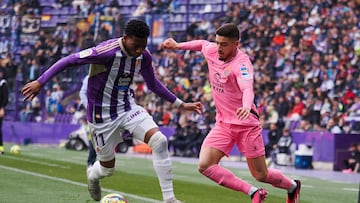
111 105
231 76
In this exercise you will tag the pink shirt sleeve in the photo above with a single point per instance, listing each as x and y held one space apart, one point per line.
194 45
245 80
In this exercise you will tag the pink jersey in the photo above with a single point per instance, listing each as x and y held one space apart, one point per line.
231 82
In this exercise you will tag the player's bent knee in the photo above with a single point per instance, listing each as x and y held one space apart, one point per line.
202 168
261 177
107 171
158 142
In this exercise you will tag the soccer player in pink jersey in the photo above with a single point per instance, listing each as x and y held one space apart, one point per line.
231 76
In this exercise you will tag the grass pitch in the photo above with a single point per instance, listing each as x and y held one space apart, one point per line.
51 174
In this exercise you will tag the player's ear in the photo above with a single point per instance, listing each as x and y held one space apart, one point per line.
237 43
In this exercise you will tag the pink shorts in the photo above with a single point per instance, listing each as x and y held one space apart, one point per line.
247 138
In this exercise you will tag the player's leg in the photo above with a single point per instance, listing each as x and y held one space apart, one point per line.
92 154
91 150
142 126
217 144
104 143
148 131
255 153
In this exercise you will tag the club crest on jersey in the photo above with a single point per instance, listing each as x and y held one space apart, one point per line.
227 72
85 53
245 71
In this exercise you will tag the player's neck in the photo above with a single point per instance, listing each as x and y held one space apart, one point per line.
231 57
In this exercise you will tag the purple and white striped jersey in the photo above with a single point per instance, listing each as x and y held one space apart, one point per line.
111 73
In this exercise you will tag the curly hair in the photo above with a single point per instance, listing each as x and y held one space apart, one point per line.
137 28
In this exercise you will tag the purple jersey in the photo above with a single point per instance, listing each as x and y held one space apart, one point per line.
111 73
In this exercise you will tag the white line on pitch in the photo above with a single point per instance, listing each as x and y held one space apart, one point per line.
76 183
351 189
37 162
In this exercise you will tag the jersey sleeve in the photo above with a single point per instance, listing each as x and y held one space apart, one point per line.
244 73
153 83
87 56
194 45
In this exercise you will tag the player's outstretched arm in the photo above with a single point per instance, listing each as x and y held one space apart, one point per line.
30 90
192 106
193 45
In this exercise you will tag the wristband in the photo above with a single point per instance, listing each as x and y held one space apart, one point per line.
178 102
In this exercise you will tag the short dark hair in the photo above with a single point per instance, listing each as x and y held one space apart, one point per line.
137 28
229 30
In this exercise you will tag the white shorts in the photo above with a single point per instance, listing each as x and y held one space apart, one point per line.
106 136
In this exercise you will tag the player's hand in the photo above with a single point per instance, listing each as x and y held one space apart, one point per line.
169 43
193 106
30 90
242 113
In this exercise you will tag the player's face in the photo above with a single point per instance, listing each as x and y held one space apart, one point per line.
134 45
226 47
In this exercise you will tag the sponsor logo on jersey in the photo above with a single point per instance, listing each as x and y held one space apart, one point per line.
245 71
85 53
124 82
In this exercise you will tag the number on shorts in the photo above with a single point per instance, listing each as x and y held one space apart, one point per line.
99 139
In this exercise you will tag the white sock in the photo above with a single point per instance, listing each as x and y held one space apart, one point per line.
252 190
162 164
94 172
293 187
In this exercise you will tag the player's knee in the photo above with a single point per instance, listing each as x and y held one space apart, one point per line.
107 168
260 176
202 168
158 142
106 172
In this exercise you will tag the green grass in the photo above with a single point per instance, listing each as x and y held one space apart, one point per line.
51 174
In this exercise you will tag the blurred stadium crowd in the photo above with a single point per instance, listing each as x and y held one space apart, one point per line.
306 57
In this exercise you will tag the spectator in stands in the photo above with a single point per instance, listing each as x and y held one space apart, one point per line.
25 112
237 119
112 9
272 115
36 108
303 126
188 136
178 135
111 106
98 7
332 126
55 99
158 115
352 164
4 98
161 6
273 135
296 110
85 8
193 148
285 144
142 8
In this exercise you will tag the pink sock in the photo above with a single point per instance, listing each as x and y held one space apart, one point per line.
277 179
226 178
